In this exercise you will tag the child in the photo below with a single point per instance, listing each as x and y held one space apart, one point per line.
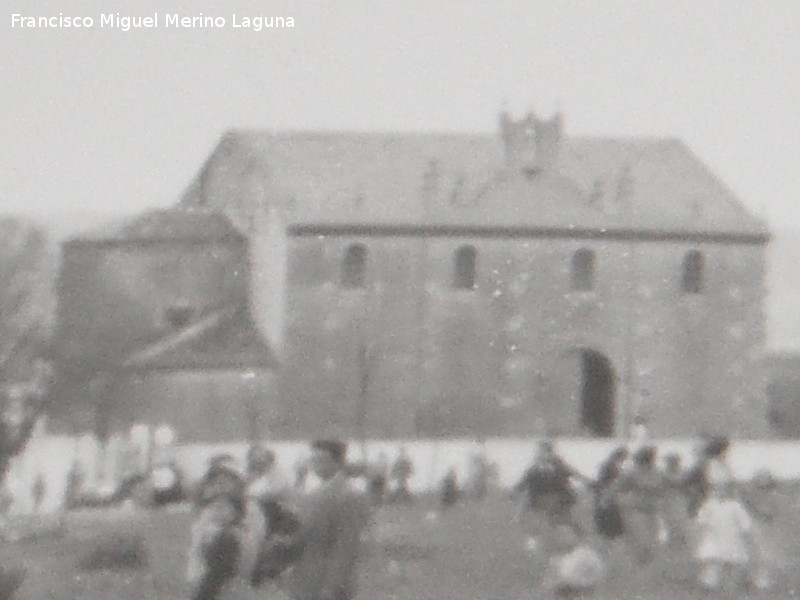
725 539
215 547
575 569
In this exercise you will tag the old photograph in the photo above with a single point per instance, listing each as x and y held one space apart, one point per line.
411 300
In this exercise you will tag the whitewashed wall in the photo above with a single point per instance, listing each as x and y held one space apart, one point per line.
51 458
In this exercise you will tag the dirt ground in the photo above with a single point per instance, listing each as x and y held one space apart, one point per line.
474 551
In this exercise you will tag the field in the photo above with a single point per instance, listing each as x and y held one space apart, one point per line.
475 551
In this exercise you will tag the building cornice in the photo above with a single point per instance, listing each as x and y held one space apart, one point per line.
522 232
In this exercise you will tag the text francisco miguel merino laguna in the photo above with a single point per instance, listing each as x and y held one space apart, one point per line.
151 21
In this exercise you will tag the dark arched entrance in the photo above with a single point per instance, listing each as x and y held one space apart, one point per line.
597 394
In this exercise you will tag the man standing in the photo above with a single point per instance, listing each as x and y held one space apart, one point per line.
548 496
332 516
547 486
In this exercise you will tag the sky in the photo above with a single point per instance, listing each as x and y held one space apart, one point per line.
106 121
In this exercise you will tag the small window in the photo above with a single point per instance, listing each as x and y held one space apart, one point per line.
692 281
583 270
354 266
465 260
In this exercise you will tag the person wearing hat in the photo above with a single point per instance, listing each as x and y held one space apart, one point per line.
332 516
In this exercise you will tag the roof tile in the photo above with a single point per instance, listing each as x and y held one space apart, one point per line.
440 179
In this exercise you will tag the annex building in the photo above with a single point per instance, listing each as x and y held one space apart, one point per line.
391 285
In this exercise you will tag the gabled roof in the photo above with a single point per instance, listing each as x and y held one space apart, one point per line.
460 179
223 339
172 224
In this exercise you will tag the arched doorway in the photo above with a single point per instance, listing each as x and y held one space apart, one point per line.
597 410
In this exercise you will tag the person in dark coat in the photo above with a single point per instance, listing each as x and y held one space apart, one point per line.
547 487
548 495
607 513
215 548
378 480
221 478
399 477
449 493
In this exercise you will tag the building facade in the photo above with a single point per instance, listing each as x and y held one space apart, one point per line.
494 285
782 385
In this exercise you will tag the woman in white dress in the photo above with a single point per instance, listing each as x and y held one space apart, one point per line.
725 536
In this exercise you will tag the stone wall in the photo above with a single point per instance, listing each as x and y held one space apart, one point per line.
116 297
504 358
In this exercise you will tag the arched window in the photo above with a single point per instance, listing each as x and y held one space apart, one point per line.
465 261
692 280
354 266
583 270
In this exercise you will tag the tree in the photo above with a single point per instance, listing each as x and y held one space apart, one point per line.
26 311
24 405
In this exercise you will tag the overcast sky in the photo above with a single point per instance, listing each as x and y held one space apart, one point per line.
109 121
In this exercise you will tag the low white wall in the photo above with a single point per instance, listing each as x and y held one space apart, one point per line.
432 459
51 458
47 457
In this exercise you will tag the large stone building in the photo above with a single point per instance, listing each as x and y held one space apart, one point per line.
481 285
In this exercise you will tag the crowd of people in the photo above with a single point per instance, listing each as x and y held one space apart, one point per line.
250 528
641 505
256 525
259 526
